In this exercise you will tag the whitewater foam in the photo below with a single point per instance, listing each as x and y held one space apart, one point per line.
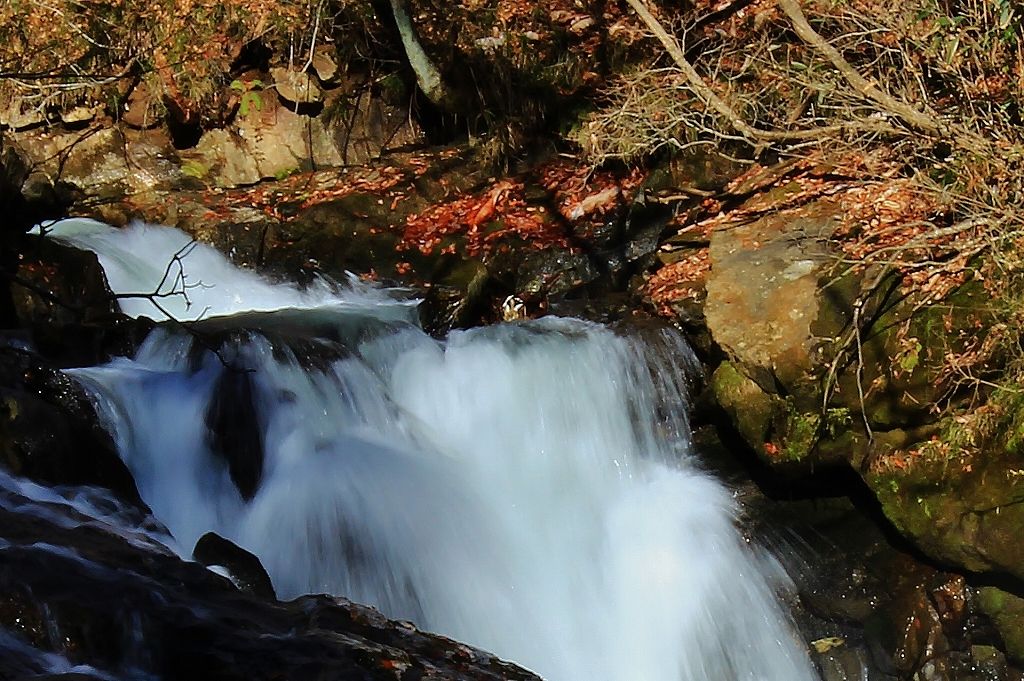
528 488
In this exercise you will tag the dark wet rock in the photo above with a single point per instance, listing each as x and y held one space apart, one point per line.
59 285
70 676
347 234
865 606
134 610
26 198
246 570
61 297
906 632
843 663
49 430
234 430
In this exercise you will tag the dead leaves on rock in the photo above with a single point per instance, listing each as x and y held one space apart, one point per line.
481 222
682 280
887 221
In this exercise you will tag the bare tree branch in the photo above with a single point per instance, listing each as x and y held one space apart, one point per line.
711 98
890 104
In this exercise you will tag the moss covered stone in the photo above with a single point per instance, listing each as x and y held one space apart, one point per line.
963 510
1007 613
750 408
803 430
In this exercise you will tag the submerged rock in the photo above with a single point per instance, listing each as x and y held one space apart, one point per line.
235 431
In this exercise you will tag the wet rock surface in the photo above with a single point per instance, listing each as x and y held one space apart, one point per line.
49 430
870 606
75 594
874 612
244 568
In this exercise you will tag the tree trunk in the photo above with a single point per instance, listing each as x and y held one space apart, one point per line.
428 78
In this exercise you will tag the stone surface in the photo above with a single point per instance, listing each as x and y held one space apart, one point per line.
105 162
58 285
1007 613
750 407
49 431
247 573
967 513
763 307
267 141
128 607
763 294
272 141
784 313
60 297
296 87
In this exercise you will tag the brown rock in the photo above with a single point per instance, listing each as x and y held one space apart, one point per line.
142 110
763 295
324 63
272 141
296 87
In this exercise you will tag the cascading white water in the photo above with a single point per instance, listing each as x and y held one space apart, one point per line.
527 488
142 261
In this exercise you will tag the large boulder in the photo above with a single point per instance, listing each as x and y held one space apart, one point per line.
824 364
831 367
764 306
963 506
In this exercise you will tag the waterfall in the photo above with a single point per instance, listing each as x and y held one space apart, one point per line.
528 488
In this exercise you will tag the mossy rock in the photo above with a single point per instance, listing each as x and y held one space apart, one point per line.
751 409
1007 613
903 352
965 510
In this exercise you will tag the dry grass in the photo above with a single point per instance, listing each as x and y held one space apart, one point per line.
914 110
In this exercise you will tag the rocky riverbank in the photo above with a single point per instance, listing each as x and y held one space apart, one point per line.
857 390
878 589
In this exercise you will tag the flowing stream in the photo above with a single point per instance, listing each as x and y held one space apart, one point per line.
528 488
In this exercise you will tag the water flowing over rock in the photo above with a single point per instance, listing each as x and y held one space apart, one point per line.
528 487
88 590
49 431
